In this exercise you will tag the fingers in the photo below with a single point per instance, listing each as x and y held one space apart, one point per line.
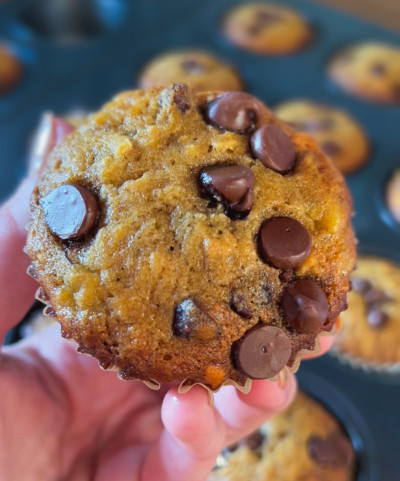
326 343
194 435
244 413
16 287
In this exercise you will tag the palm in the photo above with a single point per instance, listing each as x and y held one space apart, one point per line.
63 418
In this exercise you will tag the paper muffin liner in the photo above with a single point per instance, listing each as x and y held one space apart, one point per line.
366 365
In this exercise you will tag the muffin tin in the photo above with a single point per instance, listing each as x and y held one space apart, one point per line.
82 64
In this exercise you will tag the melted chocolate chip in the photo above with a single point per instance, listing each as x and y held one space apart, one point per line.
262 19
235 111
305 306
254 441
262 352
274 148
191 322
360 285
315 125
378 69
239 304
232 185
284 242
377 318
181 97
335 450
374 295
70 211
331 148
192 66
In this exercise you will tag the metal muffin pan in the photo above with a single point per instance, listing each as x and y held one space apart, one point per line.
67 68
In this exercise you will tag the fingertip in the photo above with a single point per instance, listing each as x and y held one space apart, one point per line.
271 396
192 420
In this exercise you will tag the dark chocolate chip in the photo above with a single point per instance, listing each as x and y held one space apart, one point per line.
254 441
331 148
235 111
262 19
262 352
191 322
286 276
360 285
284 242
230 184
378 69
181 97
305 306
192 66
323 123
239 304
274 148
396 92
377 318
70 211
374 295
336 450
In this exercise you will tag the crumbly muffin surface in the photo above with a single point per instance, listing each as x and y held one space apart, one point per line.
370 328
165 279
338 134
304 443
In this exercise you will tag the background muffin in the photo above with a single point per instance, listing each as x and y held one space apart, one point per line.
303 443
338 134
267 28
368 70
199 70
11 69
370 328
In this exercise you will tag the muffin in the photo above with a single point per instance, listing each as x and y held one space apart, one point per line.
393 195
11 69
191 237
370 329
305 442
368 70
267 28
198 70
338 134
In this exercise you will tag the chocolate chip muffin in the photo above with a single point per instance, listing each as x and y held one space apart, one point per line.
199 70
267 28
393 195
368 70
338 134
303 443
11 69
370 328
183 236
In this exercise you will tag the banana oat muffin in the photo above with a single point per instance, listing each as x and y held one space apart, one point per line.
199 70
368 70
267 28
339 135
183 236
304 443
370 328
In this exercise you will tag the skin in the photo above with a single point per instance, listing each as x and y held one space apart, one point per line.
62 418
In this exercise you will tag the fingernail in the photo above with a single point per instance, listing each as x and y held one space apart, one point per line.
283 378
40 144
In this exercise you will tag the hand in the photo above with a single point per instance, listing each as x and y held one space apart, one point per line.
61 417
